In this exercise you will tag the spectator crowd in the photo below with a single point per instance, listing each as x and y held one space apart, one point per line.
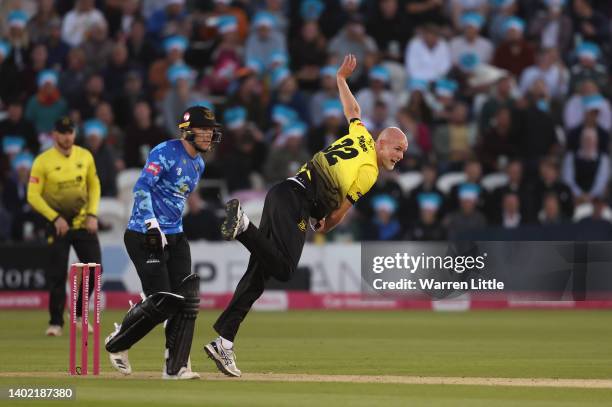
516 88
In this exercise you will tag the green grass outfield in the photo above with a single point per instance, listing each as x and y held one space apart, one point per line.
488 344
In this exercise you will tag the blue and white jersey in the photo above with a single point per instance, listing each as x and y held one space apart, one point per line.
166 181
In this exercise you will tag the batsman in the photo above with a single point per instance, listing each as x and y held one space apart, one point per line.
324 189
160 252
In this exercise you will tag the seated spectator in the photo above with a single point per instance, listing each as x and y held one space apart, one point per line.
72 79
427 56
386 184
444 100
417 103
12 145
328 90
592 105
552 28
353 39
224 8
587 171
115 138
550 214
287 93
428 226
536 127
168 20
588 67
467 218
349 8
389 27
250 94
226 58
98 47
175 47
426 187
384 226
549 182
95 133
499 142
123 105
453 142
471 42
180 97
460 8
38 63
201 220
501 96
141 49
288 154
515 53
121 16
26 224
57 48
377 90
573 112
511 211
473 176
9 85
40 24
590 24
281 116
332 127
247 154
16 123
47 105
236 123
501 12
116 72
517 185
79 20
417 132
598 223
92 95
551 70
380 119
264 40
308 55
18 38
423 12
142 136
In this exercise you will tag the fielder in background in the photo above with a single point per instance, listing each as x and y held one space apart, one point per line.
324 189
65 189
158 248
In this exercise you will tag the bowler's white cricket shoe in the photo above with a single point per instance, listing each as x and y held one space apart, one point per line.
225 359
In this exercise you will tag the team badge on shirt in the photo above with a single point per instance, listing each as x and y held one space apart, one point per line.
153 169
302 225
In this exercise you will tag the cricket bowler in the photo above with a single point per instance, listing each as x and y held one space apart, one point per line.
324 189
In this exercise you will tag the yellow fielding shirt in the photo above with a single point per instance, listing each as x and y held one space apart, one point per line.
347 168
65 186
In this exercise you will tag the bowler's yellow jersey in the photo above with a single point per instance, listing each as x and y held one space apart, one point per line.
348 168
66 186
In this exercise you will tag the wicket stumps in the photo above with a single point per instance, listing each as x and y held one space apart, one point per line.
79 272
